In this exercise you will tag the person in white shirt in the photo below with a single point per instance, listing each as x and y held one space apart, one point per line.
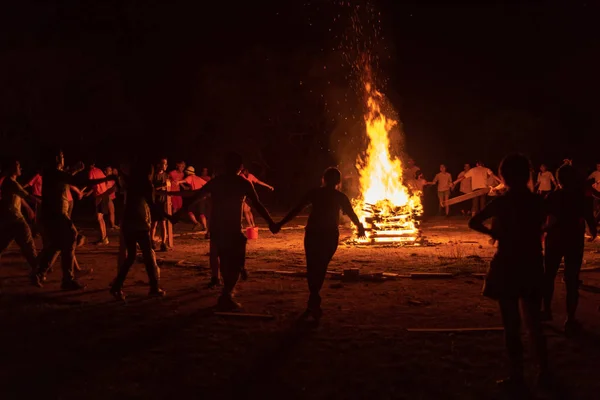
444 183
479 180
545 180
596 177
465 187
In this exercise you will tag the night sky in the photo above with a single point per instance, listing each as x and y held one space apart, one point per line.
190 80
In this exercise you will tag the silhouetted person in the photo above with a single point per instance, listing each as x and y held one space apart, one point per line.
229 244
58 232
12 222
568 211
159 180
516 272
322 235
101 200
136 227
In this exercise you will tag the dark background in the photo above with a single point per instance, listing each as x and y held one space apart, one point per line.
190 80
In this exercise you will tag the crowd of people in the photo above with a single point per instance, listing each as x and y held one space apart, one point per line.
472 179
535 223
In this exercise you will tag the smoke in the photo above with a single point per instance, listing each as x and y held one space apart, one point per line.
361 50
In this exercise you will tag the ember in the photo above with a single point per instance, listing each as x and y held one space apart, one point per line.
386 206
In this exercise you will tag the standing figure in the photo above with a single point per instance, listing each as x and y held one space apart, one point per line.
253 180
111 192
58 232
516 272
159 181
176 176
545 180
194 182
568 211
12 222
322 234
465 187
229 244
135 228
479 180
443 179
101 200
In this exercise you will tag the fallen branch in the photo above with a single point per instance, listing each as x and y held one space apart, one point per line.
491 329
244 315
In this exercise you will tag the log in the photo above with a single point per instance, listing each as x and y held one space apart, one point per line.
429 275
244 315
450 330
465 197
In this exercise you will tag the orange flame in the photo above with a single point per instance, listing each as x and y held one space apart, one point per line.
382 183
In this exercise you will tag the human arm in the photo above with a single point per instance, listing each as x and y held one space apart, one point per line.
349 211
306 200
260 208
261 183
28 209
77 191
476 222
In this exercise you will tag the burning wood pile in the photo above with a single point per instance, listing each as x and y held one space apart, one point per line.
388 209
386 223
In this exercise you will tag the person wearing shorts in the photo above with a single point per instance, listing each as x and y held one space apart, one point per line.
229 244
12 222
198 209
443 179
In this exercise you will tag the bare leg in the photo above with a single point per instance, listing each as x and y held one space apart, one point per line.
446 196
154 225
203 221
192 217
102 226
163 232
111 214
249 218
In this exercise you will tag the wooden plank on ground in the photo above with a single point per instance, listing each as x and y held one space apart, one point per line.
244 315
449 330
468 196
430 275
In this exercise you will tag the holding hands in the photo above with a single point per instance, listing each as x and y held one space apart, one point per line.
275 227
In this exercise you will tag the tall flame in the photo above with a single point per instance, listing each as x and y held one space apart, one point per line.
382 180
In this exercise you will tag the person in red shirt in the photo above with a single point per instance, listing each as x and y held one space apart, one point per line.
194 182
176 176
36 190
101 200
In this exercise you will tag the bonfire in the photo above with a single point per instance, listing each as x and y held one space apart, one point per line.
386 206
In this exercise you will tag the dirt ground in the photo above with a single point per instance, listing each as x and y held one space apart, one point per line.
85 345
